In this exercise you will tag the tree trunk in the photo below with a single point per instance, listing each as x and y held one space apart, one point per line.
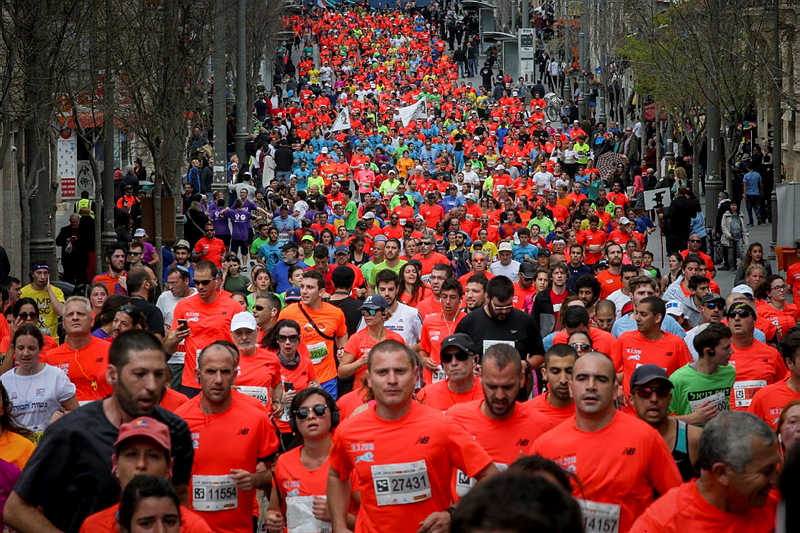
696 146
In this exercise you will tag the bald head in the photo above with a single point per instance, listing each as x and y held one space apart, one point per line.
596 363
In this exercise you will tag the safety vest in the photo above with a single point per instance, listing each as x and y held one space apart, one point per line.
84 203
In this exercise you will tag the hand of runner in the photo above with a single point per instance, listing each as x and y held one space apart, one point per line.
320 509
244 479
705 413
430 365
435 523
274 521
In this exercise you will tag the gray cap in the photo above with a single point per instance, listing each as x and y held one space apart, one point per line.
647 373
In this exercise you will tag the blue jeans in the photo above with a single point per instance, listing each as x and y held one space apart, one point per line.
331 386
283 175
459 158
752 204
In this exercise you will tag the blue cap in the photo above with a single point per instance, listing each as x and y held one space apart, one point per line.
292 294
374 301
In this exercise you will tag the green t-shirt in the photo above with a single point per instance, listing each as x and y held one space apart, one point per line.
692 388
545 225
383 266
319 181
351 214
257 244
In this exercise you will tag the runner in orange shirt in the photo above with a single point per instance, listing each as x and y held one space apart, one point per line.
354 360
200 320
459 359
431 305
258 374
757 365
234 442
648 345
556 402
114 278
324 328
611 278
83 358
576 318
733 494
300 477
209 248
502 428
768 402
619 460
143 448
403 453
593 239
437 327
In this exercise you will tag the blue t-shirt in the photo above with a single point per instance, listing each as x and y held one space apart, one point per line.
285 229
281 275
518 252
271 254
751 181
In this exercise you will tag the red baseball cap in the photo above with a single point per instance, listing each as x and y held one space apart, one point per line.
145 426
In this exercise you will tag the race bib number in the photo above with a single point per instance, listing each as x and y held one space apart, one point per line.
464 483
401 483
259 393
426 278
403 221
743 391
717 399
600 517
489 343
318 352
300 516
438 375
214 493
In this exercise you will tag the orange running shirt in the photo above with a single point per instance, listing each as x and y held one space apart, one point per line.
330 321
15 449
214 248
556 415
769 401
602 341
238 438
428 307
632 350
106 522
504 440
49 344
208 323
439 396
409 459
172 399
257 374
608 283
756 367
85 368
360 344
351 401
592 238
520 294
299 377
620 466
436 329
683 509
112 284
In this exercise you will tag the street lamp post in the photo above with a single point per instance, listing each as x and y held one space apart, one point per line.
108 236
777 127
583 99
220 114
241 83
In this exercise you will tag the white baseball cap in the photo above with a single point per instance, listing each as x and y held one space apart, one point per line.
243 320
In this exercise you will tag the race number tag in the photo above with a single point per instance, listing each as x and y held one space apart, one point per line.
214 493
464 483
438 375
488 344
300 516
259 393
426 278
401 483
600 517
318 352
403 221
743 391
717 399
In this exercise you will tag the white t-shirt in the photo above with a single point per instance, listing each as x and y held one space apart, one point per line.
166 303
405 321
543 180
511 271
35 398
619 300
472 178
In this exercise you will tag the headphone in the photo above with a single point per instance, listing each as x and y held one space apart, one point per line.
301 396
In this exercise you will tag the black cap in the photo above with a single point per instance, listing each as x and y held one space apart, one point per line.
545 252
343 276
741 306
460 340
361 224
527 270
291 245
647 373
712 297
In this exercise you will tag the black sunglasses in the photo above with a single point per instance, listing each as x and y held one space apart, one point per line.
370 312
581 346
203 282
715 305
134 253
303 412
26 316
646 392
460 356
741 313
259 307
290 338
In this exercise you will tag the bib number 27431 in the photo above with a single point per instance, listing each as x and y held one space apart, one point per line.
401 483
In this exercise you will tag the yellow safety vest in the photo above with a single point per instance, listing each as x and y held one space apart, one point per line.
84 203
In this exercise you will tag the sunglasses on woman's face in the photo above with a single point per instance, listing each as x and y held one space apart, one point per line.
288 338
303 412
581 346
370 312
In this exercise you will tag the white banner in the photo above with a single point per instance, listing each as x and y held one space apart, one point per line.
342 120
657 198
418 110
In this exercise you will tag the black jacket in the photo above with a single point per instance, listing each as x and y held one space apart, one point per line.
544 313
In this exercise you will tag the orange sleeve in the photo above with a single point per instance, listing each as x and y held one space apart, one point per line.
649 523
424 338
339 460
465 452
269 444
616 355
662 470
685 357
341 326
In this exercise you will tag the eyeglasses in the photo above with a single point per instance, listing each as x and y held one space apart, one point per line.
715 305
426 243
694 240
135 253
581 346
128 309
646 392
370 312
783 287
502 307
303 412
210 230
203 282
28 316
460 356
288 338
740 313
259 307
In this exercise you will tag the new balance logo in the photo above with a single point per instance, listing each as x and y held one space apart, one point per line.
629 451
423 440
244 431
523 442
